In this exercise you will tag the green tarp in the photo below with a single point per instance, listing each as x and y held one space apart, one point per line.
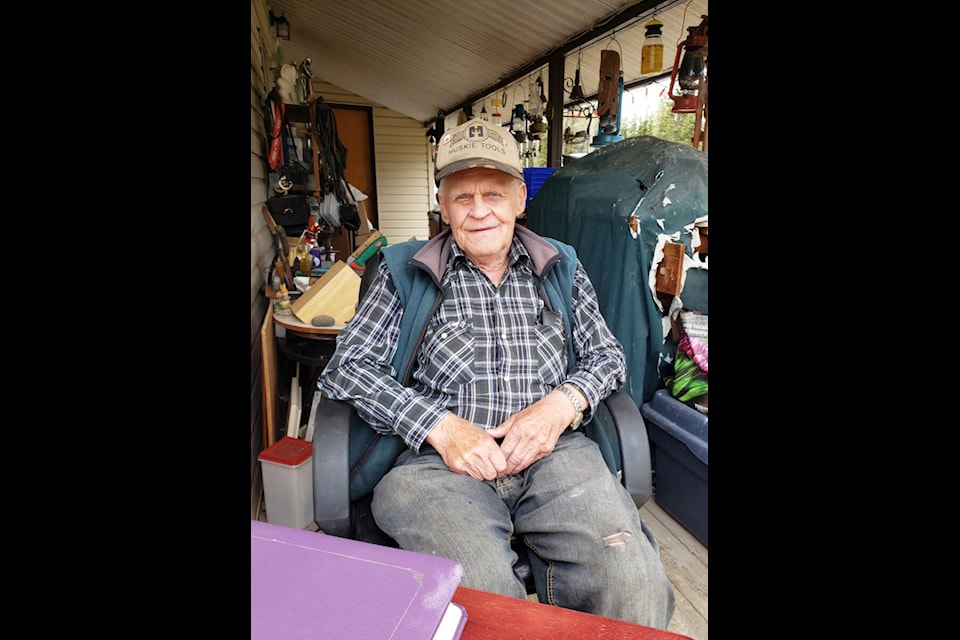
589 203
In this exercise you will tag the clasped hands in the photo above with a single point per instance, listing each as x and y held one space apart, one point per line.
528 436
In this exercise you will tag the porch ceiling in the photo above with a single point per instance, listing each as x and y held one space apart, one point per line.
420 57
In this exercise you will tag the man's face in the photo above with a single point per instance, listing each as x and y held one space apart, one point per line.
481 207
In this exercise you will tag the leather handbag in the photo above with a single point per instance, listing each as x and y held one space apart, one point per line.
291 211
350 216
291 204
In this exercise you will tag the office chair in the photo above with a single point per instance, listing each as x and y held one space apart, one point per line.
617 427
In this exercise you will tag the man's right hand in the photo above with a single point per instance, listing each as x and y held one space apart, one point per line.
467 448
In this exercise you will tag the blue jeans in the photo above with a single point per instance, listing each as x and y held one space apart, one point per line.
589 549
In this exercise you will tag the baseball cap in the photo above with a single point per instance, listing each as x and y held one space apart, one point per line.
477 143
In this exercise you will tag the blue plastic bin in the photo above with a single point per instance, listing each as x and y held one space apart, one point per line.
678 436
535 177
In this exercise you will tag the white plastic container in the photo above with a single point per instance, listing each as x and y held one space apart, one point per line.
288 482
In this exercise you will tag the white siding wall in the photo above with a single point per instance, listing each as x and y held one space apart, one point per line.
262 49
261 241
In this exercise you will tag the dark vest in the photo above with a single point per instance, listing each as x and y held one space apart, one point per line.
372 454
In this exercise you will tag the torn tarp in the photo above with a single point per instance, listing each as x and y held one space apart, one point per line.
589 204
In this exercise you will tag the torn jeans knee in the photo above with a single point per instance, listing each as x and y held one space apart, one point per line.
618 539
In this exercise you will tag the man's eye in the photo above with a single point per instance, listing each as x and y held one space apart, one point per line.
489 196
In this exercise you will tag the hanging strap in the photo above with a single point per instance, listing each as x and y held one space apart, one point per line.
330 149
318 193
285 143
278 115
278 155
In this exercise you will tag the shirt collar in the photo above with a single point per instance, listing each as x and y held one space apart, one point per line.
518 254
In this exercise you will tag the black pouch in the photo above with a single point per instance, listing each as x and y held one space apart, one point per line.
350 216
290 204
290 211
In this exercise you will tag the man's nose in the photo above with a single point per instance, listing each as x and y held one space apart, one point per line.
478 207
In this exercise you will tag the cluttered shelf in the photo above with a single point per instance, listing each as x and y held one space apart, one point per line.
304 280
310 304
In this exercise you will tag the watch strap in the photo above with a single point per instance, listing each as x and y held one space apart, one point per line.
572 397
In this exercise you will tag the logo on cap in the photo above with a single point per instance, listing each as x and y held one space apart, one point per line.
475 144
474 133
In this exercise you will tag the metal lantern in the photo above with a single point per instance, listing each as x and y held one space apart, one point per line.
691 71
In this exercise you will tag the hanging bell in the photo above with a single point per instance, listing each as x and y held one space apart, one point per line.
577 92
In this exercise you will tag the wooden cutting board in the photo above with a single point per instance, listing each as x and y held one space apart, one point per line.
335 294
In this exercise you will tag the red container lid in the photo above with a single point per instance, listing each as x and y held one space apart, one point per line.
288 451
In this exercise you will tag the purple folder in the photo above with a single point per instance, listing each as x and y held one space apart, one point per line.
312 585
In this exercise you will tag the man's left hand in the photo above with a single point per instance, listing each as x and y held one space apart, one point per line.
532 433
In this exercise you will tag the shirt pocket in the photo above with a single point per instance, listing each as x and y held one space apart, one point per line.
551 341
447 355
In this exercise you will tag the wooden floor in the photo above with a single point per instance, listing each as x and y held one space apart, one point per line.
686 560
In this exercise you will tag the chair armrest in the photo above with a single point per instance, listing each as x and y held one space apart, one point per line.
331 461
634 446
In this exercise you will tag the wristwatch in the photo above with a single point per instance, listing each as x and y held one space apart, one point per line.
572 397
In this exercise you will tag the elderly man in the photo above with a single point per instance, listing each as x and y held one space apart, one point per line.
484 349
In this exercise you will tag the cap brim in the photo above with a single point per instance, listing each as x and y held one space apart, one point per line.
462 165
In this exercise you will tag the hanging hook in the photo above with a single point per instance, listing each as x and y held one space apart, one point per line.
613 38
